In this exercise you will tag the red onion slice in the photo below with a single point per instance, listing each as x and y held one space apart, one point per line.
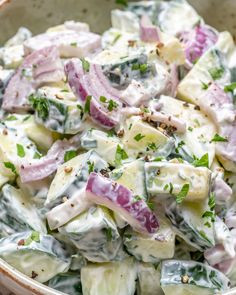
148 32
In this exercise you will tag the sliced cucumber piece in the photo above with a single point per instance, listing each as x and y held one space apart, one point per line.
57 110
151 248
69 283
95 234
35 255
166 178
116 278
190 277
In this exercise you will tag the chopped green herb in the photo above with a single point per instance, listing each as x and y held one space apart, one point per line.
209 214
207 224
81 111
11 118
216 73
204 236
230 87
117 37
166 187
103 99
180 160
197 122
10 166
183 193
109 234
137 198
202 162
112 105
87 104
205 86
130 126
145 110
69 155
150 205
143 68
120 155
37 155
152 146
190 128
20 150
40 105
111 133
212 202
85 65
122 2
74 44
158 159
26 118
139 137
64 90
135 67
180 144
34 237
91 166
171 187
218 138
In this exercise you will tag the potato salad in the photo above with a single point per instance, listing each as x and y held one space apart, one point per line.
118 154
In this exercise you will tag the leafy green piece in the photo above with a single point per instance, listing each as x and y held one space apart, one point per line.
109 234
158 159
37 155
74 44
34 237
205 86
85 65
40 105
218 138
190 128
103 99
212 201
209 214
111 133
79 107
141 67
10 166
26 118
230 87
183 193
216 73
69 155
11 118
112 105
120 155
139 137
87 104
171 187
117 37
152 146
20 150
202 162
91 166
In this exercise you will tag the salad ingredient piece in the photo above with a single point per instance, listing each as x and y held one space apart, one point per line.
21 35
38 256
18 212
192 223
5 76
131 175
68 42
71 177
41 66
118 198
106 144
95 234
165 178
222 191
42 168
151 248
55 110
12 57
185 277
115 278
101 99
148 32
197 41
69 282
149 276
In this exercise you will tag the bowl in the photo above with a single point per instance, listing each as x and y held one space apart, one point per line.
38 15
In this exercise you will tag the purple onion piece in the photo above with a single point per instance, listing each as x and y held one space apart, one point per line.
148 32
103 191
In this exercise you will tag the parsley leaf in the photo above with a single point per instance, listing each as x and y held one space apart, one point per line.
117 37
183 193
209 214
103 99
79 107
139 137
212 201
205 86
85 65
20 150
141 67
11 118
202 162
87 104
216 73
108 234
171 187
69 155
152 146
111 133
112 105
34 237
10 166
218 138
120 155
74 44
230 87
37 155
40 105
90 166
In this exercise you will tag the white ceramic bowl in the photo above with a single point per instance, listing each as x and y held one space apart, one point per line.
38 15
